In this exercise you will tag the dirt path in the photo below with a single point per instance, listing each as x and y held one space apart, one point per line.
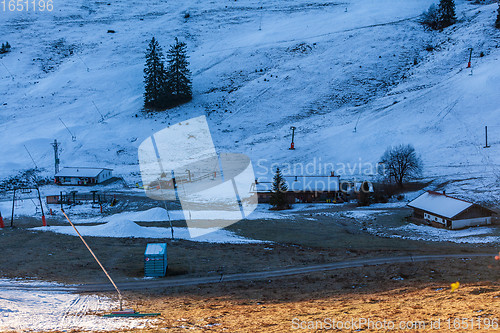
270 274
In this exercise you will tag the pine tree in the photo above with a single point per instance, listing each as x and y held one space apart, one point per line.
446 13
497 23
178 74
279 188
155 82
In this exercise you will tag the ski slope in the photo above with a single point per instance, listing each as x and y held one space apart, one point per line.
34 306
327 68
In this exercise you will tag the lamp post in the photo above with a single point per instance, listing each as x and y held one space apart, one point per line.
292 145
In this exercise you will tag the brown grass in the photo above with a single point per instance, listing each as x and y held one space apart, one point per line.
418 291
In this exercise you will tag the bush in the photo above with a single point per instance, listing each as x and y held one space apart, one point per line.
497 22
5 47
430 18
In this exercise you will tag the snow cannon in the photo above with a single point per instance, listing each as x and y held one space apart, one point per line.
292 145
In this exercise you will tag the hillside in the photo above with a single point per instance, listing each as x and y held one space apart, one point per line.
258 68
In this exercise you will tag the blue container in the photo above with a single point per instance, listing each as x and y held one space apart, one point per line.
155 259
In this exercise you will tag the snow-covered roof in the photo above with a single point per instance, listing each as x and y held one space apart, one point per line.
80 172
156 248
303 184
440 204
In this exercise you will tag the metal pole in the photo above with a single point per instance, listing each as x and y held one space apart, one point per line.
102 117
486 136
165 203
36 167
292 145
41 207
469 65
12 218
73 138
56 157
90 250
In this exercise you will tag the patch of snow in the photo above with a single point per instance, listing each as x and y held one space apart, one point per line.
397 204
363 214
34 309
127 229
476 235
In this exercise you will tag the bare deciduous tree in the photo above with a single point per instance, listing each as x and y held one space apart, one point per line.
401 163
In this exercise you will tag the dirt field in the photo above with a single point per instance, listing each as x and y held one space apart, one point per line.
417 292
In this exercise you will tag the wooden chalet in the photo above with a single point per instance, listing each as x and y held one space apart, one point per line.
443 211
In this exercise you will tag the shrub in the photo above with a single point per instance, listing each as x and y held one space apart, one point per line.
430 18
5 47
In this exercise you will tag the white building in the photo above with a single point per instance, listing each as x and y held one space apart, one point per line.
82 176
441 210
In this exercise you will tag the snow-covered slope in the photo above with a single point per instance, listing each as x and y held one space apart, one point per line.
258 68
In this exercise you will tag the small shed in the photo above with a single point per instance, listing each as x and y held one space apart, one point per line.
53 199
155 259
82 176
441 210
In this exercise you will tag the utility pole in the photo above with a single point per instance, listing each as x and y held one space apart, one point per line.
55 144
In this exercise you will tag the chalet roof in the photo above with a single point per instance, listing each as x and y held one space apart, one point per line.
440 204
80 172
303 184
